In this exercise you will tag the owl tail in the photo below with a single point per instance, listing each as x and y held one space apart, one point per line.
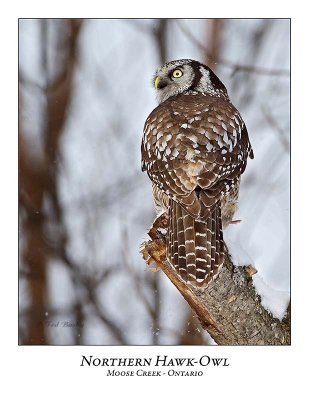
195 248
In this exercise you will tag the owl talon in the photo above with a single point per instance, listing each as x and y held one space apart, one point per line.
153 269
236 221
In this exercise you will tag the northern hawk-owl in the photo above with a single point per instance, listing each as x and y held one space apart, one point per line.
194 149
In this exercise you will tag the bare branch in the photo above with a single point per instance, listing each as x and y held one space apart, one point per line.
234 66
277 129
91 297
135 277
229 307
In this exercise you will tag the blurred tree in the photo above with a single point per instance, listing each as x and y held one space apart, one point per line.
38 174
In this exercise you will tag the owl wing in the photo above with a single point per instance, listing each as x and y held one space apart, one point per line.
195 148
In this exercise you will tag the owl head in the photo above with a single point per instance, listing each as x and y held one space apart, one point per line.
185 76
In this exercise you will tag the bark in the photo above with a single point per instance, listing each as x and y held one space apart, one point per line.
229 307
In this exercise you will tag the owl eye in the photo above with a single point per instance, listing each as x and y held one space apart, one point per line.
177 73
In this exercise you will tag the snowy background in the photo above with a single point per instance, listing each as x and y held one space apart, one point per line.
82 279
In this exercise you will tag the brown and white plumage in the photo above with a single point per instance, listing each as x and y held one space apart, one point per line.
194 149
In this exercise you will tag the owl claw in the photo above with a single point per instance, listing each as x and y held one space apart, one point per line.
236 221
153 269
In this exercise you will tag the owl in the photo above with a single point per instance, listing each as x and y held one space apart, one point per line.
194 149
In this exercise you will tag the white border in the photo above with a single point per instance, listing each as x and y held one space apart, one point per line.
49 372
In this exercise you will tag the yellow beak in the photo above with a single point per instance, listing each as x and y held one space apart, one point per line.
156 82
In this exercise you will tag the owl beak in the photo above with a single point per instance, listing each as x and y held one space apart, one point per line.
160 83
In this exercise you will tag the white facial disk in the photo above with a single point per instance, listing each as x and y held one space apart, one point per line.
181 76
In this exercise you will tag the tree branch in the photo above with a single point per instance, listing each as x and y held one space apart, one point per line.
236 67
229 307
273 123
